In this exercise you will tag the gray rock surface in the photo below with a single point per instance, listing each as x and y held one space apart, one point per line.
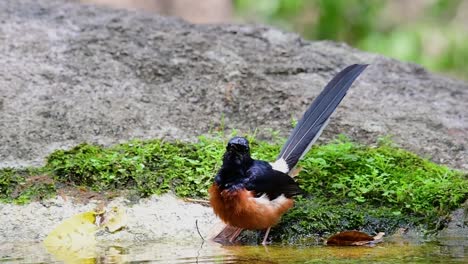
458 225
71 73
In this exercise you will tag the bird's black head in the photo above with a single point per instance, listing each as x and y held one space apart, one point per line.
237 151
236 162
238 145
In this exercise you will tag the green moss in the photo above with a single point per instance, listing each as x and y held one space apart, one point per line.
150 167
372 188
382 175
8 179
349 186
314 218
25 185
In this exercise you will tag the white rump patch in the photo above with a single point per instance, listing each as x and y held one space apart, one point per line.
277 202
262 200
280 165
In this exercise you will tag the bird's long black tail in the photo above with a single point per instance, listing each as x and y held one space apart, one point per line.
315 119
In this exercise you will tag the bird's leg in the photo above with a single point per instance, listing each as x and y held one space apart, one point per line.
236 233
266 236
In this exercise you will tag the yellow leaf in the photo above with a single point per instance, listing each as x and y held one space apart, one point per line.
74 238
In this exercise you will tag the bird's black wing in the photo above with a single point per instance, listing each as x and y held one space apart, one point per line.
262 179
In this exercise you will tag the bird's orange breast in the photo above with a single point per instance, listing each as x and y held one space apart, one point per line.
242 209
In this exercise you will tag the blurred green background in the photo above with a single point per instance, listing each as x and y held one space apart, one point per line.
433 33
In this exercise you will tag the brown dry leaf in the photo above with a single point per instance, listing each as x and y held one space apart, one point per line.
353 238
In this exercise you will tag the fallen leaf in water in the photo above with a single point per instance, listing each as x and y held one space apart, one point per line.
74 241
73 238
353 238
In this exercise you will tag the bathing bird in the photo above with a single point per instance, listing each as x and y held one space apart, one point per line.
254 194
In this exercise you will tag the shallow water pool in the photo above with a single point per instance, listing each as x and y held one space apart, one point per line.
449 250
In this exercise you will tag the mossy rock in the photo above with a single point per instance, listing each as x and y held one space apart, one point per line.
376 188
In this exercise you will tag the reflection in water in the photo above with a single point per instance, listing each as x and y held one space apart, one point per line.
441 251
